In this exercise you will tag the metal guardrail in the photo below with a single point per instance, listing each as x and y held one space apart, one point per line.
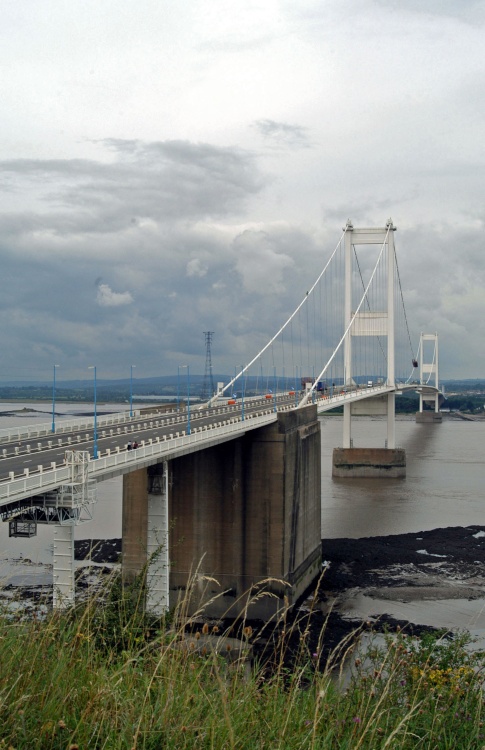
325 403
35 483
44 429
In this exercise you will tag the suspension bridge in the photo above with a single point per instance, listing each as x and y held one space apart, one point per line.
237 481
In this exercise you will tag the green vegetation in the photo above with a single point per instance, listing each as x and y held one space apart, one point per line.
104 676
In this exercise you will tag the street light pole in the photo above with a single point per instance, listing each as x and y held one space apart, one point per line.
275 388
242 393
178 388
188 400
54 400
131 389
188 393
95 436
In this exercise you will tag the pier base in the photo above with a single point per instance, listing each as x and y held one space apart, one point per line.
353 463
428 417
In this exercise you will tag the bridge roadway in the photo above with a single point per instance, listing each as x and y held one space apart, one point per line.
33 461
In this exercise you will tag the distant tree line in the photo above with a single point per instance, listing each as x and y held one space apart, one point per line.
469 402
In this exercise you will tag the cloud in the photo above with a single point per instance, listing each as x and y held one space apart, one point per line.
468 10
195 267
107 298
281 134
219 206
260 262
163 181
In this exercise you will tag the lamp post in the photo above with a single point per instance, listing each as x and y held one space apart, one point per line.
188 400
275 388
242 393
131 389
188 393
178 388
54 400
95 435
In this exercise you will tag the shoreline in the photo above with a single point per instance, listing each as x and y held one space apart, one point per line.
442 565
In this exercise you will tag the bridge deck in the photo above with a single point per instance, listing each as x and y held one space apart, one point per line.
38 466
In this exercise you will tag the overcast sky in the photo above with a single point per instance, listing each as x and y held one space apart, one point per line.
174 166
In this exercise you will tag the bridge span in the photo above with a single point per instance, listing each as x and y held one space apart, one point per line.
34 462
231 492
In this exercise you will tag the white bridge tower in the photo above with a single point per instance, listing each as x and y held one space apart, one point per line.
365 323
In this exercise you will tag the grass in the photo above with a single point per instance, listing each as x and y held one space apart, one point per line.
105 676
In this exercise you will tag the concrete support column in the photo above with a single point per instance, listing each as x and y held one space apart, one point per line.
145 532
157 601
63 566
134 524
245 536
245 520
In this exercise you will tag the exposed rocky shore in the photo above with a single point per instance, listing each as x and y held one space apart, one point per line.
98 550
429 566
443 563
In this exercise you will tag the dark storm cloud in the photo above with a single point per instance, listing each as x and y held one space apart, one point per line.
130 261
122 262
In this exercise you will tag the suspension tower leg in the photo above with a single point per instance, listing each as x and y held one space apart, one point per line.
63 573
391 420
157 600
347 438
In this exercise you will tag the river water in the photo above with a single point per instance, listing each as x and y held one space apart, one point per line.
444 486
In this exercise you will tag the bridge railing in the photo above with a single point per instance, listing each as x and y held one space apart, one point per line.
346 394
44 429
69 425
46 480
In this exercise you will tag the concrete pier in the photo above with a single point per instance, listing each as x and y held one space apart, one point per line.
244 520
369 462
134 523
428 417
